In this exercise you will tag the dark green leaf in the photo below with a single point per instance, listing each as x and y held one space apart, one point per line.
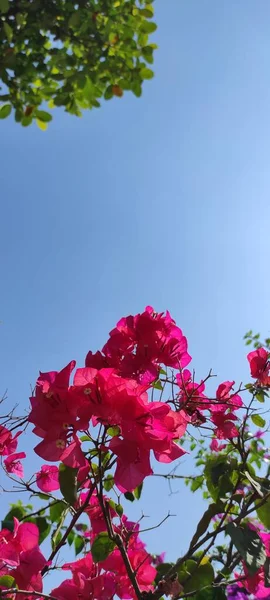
108 483
211 593
162 570
200 577
119 509
249 545
4 6
44 528
79 544
56 510
102 546
68 483
221 475
264 514
70 538
129 496
205 521
43 116
266 569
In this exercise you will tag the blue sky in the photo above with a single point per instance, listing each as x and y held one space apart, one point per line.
162 200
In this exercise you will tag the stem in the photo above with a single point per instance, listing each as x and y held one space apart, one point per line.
69 529
27 593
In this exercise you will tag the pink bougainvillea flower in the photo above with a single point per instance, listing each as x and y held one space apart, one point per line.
259 365
88 583
225 428
215 446
47 478
28 574
139 344
133 464
226 398
8 444
141 563
50 449
95 513
13 464
73 455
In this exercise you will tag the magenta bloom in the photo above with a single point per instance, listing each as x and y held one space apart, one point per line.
47 478
13 464
259 365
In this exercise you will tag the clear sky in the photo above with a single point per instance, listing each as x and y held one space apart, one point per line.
161 200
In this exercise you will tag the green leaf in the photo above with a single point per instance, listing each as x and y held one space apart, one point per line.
102 546
266 569
157 385
43 496
108 483
68 483
202 576
162 570
147 74
221 475
7 581
249 545
148 27
113 431
85 438
43 116
186 570
26 121
119 509
16 511
205 521
56 510
5 111
264 514
4 6
137 492
70 537
79 544
258 420
8 31
197 483
260 397
44 528
211 593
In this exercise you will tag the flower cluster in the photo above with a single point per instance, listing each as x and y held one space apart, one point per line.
91 581
21 557
8 447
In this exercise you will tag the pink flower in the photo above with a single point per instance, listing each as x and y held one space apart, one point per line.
215 446
225 428
47 478
8 445
133 464
259 365
13 464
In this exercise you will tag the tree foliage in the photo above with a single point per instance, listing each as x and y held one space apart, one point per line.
71 54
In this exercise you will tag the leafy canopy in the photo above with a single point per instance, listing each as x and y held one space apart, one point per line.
71 54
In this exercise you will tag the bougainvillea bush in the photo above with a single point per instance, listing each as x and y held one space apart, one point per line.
101 429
